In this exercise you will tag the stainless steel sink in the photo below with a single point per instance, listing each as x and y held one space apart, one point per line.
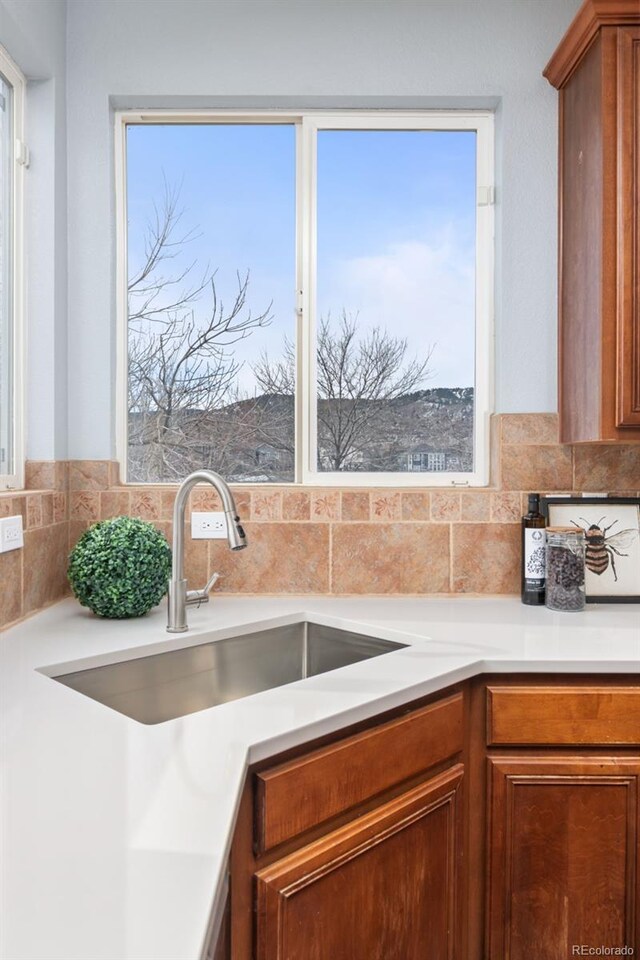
168 685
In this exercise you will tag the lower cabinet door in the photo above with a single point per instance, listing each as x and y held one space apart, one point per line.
563 858
383 887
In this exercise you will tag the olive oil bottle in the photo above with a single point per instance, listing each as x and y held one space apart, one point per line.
533 553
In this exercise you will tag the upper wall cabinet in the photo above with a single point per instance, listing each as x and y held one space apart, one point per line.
596 69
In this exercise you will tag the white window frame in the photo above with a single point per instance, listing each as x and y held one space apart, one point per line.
14 77
308 123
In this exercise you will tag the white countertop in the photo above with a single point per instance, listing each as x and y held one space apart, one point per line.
115 835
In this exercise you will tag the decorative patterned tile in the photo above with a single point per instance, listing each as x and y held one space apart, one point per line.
266 506
147 504
445 506
59 506
34 511
325 505
506 507
385 506
390 558
85 505
47 508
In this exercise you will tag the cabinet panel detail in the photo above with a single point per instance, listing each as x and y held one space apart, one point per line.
628 383
384 887
563 715
333 779
563 856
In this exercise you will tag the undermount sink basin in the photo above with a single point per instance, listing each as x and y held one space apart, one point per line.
169 685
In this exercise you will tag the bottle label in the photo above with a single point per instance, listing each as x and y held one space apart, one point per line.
534 550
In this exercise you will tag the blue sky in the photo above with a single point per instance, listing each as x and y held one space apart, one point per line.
396 226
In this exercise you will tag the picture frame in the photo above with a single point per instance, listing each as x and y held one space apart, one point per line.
612 560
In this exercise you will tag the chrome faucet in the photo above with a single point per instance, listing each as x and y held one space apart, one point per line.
179 597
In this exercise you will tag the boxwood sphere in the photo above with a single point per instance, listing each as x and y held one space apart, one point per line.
120 568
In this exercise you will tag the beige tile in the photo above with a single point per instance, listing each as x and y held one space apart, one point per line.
76 529
19 508
114 503
506 507
84 505
386 506
34 511
355 505
39 474
45 566
266 506
325 505
114 473
88 474
59 499
167 500
495 449
475 506
528 428
146 504
61 475
536 467
390 558
296 505
290 558
11 589
242 500
6 505
47 508
486 557
445 506
604 468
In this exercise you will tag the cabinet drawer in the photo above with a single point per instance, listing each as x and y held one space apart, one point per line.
333 779
563 715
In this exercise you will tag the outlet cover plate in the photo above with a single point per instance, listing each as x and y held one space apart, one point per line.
11 537
208 526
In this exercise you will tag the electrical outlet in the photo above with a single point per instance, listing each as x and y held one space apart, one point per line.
11 534
208 526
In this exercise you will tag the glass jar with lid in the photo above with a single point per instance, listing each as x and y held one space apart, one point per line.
565 569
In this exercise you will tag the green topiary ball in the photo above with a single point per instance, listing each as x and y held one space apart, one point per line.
120 568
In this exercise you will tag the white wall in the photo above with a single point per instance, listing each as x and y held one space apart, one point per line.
34 33
316 53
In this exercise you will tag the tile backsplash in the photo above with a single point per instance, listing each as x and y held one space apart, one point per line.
322 540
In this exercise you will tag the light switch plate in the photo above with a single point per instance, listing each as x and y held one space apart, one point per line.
11 537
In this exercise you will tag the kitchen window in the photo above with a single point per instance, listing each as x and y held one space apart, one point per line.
12 157
305 298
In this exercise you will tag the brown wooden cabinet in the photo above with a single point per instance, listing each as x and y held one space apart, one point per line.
563 855
498 820
353 849
383 887
596 69
563 822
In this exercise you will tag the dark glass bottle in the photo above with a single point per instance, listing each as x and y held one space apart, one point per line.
533 550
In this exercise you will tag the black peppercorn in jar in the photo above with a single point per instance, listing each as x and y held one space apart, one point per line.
565 569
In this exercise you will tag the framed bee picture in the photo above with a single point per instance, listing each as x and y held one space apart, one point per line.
612 542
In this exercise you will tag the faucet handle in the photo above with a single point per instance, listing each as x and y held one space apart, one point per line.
202 596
